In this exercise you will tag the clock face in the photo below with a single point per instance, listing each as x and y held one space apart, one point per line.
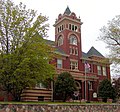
73 40
60 41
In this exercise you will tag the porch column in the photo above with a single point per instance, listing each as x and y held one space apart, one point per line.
83 90
87 90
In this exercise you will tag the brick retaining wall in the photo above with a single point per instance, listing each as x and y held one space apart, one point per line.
59 108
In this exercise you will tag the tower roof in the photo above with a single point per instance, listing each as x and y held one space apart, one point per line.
67 11
94 52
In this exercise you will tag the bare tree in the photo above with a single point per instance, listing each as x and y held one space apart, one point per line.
110 34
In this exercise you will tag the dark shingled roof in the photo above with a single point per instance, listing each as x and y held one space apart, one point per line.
57 49
94 52
91 52
84 55
67 11
60 51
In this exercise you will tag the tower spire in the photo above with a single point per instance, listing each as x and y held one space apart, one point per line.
67 11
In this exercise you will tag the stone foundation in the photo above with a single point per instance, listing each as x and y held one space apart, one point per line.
59 108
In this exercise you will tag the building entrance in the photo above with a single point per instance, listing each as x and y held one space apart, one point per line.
77 94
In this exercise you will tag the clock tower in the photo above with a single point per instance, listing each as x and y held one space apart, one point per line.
68 33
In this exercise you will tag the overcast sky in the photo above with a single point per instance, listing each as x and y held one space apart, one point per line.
93 13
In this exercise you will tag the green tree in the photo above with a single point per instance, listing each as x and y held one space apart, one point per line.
24 55
106 90
110 34
64 85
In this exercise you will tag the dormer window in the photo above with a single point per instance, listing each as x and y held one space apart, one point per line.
60 41
73 40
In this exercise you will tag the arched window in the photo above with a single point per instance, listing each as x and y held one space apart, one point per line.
73 40
60 41
78 85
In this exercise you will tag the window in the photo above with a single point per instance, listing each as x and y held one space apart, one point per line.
73 40
73 27
76 28
60 28
99 70
76 51
69 26
104 71
60 41
78 85
59 63
73 51
70 50
74 65
90 85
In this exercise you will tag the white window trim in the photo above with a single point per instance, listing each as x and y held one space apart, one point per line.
75 64
99 70
61 63
104 71
90 85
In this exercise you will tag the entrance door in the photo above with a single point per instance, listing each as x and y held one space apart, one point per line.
77 94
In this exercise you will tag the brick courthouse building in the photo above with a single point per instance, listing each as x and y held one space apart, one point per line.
68 45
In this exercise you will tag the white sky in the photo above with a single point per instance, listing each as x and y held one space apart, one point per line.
93 13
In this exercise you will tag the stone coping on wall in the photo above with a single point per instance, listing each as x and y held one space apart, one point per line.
59 108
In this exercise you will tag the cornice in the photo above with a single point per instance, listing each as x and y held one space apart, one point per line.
67 18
